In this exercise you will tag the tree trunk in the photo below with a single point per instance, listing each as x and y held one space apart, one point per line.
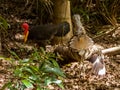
0 44
62 13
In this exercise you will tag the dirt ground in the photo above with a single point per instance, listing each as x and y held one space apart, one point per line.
79 76
76 79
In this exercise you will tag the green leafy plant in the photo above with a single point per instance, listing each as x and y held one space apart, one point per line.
37 72
3 23
108 9
3 30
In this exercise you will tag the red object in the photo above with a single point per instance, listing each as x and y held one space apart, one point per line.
26 28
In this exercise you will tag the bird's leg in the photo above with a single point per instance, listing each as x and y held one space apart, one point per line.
82 69
81 61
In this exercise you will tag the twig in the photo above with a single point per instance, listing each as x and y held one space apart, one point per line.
106 32
111 50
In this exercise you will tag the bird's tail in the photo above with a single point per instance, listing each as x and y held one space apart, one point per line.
98 64
63 29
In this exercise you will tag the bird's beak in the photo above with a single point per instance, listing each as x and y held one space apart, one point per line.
26 36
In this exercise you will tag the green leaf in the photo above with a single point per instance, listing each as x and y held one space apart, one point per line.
27 83
27 69
51 80
59 83
54 63
43 72
25 60
54 70
42 50
32 75
48 81
18 72
34 68
14 54
3 23
6 85
38 88
33 78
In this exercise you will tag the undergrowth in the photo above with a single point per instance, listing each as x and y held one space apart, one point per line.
38 71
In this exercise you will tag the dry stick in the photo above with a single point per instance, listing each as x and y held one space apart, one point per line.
111 50
106 32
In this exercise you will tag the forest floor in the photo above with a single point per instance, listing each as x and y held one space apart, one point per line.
76 79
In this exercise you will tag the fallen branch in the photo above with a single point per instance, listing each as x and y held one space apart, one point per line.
111 50
106 33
